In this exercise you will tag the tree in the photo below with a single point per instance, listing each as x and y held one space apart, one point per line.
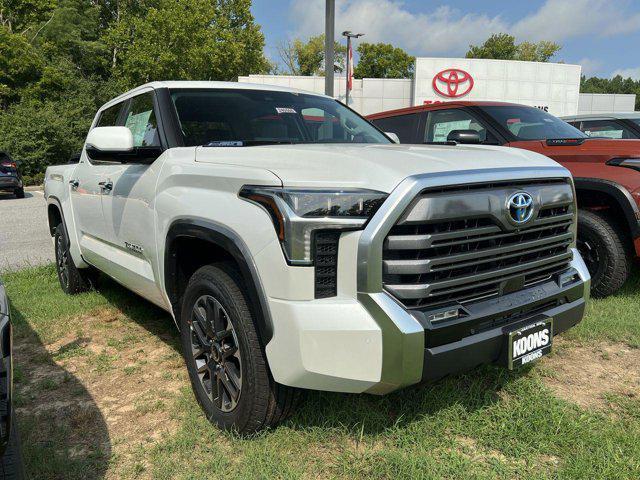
307 58
502 46
61 59
20 64
617 84
382 60
188 40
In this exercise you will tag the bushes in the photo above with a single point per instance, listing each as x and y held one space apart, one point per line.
29 180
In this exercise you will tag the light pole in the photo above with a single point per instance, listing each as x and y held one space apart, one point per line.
329 38
349 36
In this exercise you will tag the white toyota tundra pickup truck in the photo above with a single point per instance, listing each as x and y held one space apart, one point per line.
297 247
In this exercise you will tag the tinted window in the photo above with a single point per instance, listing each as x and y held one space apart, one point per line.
529 123
109 116
440 123
268 117
402 125
635 120
141 120
606 129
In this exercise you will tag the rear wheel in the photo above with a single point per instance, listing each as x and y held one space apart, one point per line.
72 279
19 192
604 250
226 362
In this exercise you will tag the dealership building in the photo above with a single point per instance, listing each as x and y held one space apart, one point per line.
554 87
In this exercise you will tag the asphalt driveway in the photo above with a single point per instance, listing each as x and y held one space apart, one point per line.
24 234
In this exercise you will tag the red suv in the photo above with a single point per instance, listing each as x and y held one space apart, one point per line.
606 172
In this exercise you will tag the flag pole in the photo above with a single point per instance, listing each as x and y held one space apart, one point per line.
349 62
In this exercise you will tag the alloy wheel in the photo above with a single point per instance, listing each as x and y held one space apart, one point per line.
62 256
216 353
590 256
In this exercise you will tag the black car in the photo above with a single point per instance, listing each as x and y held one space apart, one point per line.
10 453
10 178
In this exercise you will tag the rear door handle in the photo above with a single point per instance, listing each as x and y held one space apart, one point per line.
107 186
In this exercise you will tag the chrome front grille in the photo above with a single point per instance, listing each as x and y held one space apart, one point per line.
458 245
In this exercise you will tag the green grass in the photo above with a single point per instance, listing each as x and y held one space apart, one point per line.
486 424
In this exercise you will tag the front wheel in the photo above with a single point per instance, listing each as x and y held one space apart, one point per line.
19 192
603 248
226 362
72 279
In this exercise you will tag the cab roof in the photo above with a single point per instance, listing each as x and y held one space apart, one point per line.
191 84
453 103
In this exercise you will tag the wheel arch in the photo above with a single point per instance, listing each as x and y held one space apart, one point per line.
55 215
226 241
618 197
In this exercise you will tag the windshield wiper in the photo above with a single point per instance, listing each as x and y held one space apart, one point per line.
247 143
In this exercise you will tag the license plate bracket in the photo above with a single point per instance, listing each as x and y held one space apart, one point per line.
529 343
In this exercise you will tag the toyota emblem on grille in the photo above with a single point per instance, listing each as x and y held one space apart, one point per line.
520 207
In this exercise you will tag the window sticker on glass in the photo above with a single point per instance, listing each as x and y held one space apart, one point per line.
442 130
285 110
137 123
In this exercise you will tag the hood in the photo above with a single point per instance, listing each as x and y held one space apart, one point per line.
591 146
377 167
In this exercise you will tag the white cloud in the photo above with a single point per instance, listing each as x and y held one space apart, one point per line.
449 31
590 66
559 20
443 31
628 72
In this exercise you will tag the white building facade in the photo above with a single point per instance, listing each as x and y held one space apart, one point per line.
554 87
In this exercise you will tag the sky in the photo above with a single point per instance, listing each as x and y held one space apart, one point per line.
601 35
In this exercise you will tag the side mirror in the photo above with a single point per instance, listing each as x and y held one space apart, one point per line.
110 139
463 136
115 144
75 158
394 138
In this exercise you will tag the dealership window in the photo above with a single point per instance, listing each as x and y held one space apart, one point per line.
141 120
606 129
404 126
441 123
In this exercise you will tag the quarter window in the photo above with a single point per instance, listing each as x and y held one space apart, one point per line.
109 116
141 120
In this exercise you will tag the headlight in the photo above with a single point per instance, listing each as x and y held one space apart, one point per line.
625 162
298 212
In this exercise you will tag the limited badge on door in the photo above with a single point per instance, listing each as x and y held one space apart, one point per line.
527 344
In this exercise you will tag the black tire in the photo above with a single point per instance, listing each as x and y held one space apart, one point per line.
19 192
604 248
72 279
11 467
259 402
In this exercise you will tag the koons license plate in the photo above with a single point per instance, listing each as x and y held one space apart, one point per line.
529 343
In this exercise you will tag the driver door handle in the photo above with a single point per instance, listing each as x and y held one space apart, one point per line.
107 185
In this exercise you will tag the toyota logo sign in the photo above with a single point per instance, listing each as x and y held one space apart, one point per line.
452 83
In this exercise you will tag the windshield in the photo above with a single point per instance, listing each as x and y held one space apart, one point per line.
228 117
529 123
